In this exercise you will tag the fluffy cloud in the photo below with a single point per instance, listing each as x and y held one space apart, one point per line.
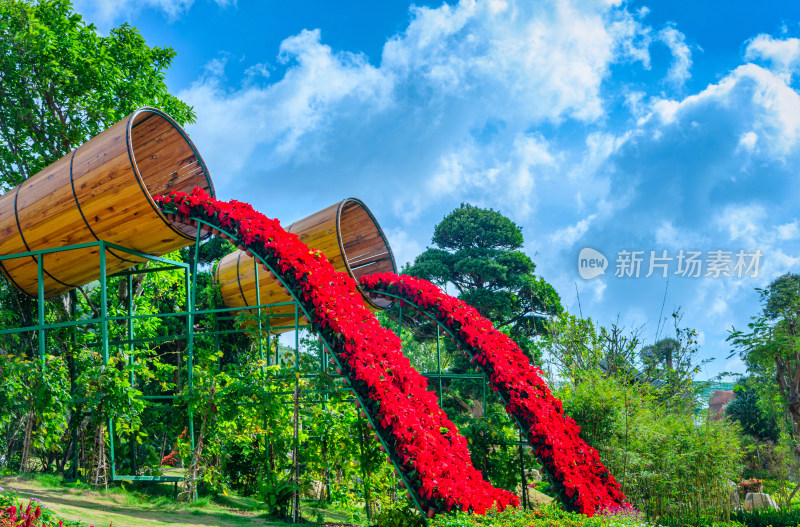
515 105
450 105
317 84
783 55
106 13
678 72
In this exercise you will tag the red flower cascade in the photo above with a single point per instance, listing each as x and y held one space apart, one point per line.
422 442
582 481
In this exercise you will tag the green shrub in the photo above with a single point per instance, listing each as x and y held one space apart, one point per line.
786 517
550 516
399 516
670 465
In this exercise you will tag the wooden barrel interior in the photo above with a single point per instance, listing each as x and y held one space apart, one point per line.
166 159
364 246
345 232
101 191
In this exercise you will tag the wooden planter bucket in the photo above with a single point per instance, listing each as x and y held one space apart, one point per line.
346 233
101 191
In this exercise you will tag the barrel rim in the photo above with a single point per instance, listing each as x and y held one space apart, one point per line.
140 179
344 254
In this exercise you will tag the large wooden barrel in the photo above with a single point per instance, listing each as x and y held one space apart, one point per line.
345 232
101 191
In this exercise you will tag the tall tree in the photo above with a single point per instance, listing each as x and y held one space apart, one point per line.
478 252
772 346
62 83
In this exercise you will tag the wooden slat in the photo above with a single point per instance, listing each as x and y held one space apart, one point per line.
360 235
113 202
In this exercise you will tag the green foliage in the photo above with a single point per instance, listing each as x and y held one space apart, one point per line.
668 465
477 250
771 346
549 516
63 83
745 409
399 516
768 517
579 348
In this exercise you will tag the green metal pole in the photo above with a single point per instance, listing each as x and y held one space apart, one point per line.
522 473
40 331
296 438
131 346
400 322
104 339
269 343
190 299
258 314
131 362
485 382
364 473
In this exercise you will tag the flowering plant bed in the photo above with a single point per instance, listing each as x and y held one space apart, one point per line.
751 485
580 479
14 512
425 447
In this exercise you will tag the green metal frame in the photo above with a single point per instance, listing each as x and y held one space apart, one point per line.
41 329
320 396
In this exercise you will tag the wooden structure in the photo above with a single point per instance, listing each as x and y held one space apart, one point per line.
348 235
101 191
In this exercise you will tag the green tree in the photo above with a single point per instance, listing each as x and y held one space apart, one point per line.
62 83
580 349
772 344
745 408
478 252
662 354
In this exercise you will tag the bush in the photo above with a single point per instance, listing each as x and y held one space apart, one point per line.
669 465
399 516
786 517
550 516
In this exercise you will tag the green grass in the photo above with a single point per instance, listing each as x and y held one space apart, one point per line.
133 505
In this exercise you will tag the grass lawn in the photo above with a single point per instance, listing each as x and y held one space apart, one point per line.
126 509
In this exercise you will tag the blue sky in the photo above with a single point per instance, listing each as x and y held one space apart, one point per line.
638 126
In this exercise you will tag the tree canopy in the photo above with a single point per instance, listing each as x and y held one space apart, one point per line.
771 349
478 251
62 83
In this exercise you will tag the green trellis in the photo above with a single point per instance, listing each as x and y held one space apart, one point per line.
264 338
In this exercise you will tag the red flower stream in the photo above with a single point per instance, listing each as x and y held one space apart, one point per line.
422 442
574 468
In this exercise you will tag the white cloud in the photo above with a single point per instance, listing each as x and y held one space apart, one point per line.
232 124
678 72
668 236
569 235
782 54
773 106
450 106
742 223
747 141
788 231
106 13
404 246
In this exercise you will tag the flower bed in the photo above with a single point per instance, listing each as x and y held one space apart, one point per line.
422 441
14 513
578 476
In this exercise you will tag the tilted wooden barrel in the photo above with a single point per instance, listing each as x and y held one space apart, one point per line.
101 191
346 233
